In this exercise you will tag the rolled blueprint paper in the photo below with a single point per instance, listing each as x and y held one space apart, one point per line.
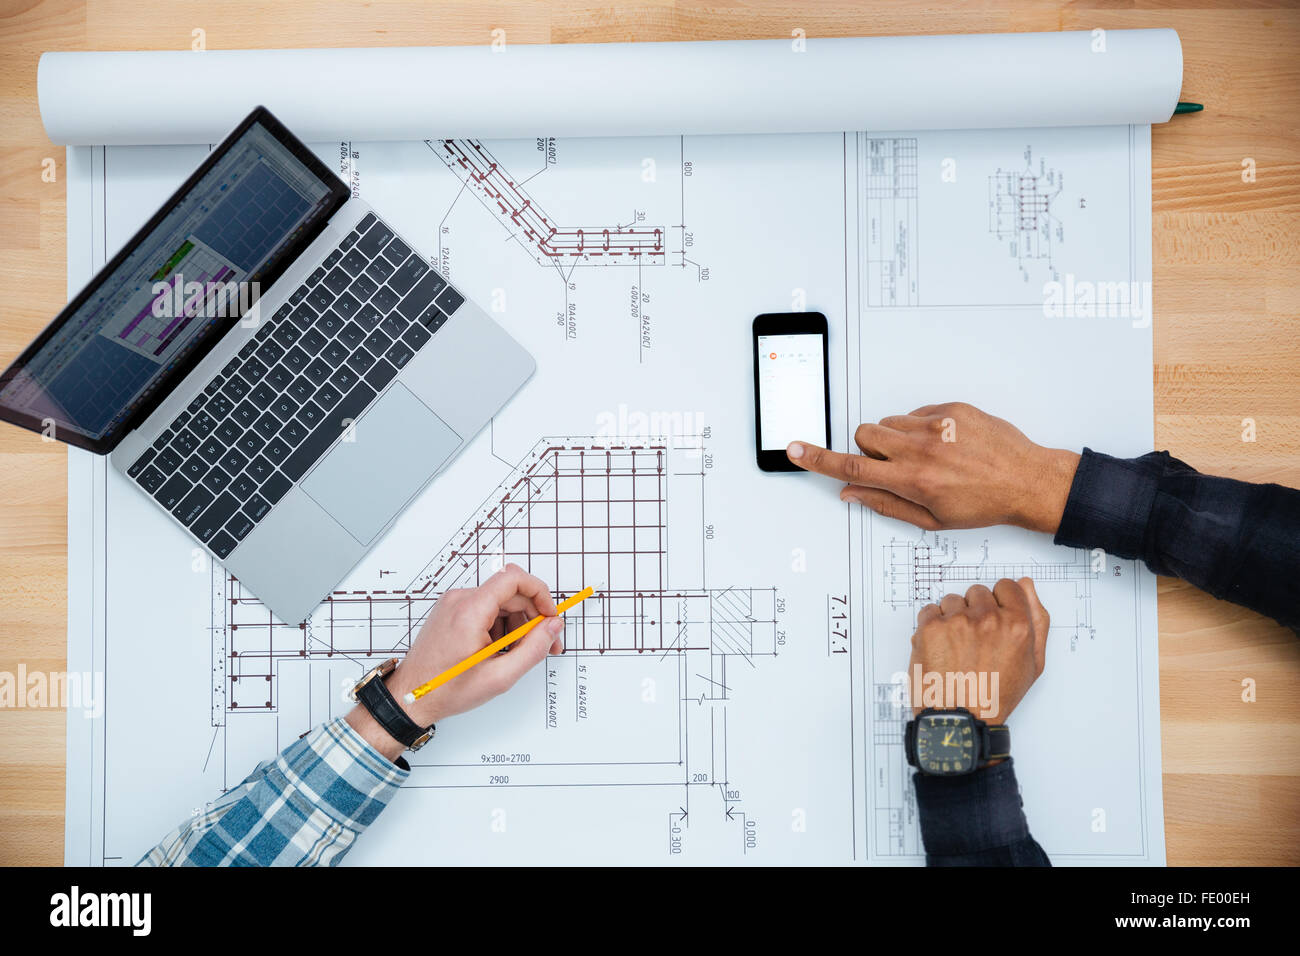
976 81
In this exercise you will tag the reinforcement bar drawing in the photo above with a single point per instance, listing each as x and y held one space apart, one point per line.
921 572
1020 210
915 573
551 244
573 511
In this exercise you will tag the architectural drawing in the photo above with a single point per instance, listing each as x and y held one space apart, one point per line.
641 240
921 571
1022 213
915 571
573 511
890 233
729 695
559 246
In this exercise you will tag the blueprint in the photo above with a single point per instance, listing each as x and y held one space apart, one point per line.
732 695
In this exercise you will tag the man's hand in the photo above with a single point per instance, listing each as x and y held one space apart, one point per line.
950 466
1002 632
462 623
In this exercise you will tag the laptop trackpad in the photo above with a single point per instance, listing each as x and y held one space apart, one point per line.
398 444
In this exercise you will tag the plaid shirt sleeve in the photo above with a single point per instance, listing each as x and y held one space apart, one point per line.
304 808
1238 541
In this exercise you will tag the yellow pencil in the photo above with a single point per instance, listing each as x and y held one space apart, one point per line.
492 648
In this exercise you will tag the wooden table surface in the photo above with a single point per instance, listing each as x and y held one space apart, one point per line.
1227 334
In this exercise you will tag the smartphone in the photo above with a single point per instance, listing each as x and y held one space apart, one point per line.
792 397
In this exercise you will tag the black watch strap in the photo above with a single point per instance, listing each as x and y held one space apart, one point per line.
376 698
995 739
997 742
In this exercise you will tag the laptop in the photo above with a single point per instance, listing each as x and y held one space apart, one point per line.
272 365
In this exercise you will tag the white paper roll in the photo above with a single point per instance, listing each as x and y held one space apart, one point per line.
978 81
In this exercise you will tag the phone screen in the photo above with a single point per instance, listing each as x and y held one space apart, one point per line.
791 389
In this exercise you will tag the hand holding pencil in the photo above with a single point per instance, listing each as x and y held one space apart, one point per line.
462 623
496 647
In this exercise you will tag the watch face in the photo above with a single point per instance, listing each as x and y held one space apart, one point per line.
945 743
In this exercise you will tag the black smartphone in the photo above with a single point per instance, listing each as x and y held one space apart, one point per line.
792 398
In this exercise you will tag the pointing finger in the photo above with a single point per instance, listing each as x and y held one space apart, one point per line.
853 469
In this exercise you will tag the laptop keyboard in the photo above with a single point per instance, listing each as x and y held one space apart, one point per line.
279 405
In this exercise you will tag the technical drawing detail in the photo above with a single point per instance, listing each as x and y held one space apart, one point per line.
1021 212
552 244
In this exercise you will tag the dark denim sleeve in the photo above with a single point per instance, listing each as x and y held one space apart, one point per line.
1236 540
976 820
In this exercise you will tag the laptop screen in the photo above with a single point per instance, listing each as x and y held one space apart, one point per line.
180 283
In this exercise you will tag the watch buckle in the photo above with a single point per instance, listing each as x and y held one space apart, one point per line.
381 671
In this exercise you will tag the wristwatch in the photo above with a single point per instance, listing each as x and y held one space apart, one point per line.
950 743
372 694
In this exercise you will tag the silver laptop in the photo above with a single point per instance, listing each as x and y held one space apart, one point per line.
272 364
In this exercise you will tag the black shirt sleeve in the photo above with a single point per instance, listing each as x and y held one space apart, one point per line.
1236 540
975 820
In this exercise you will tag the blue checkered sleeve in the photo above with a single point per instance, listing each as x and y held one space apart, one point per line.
304 808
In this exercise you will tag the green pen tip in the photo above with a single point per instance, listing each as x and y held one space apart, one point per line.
1188 108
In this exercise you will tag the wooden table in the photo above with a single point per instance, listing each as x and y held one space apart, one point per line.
1227 335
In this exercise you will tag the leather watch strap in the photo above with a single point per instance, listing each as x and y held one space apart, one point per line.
377 699
997 742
